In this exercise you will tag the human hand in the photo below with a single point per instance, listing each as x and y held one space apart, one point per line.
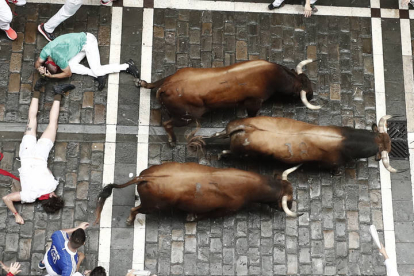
42 70
83 225
5 267
87 272
15 268
130 273
412 271
405 2
383 252
308 10
19 219
48 74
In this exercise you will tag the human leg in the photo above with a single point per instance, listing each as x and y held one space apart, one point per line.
77 68
277 3
69 8
6 17
92 54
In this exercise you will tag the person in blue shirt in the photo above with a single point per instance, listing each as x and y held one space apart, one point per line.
62 258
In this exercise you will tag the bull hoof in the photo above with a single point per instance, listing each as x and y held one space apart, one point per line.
191 217
129 222
172 143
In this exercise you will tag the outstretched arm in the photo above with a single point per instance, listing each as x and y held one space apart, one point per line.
308 9
66 73
82 225
8 200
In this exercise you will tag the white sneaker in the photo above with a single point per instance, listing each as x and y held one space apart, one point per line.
17 2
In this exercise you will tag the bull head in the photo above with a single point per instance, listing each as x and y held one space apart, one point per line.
286 197
307 86
384 143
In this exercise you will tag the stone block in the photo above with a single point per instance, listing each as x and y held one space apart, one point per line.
15 62
30 33
14 83
17 45
177 252
335 91
60 152
82 190
292 264
190 244
87 100
189 264
12 242
104 35
241 266
24 249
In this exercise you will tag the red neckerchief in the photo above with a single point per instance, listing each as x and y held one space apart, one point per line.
6 173
44 197
54 64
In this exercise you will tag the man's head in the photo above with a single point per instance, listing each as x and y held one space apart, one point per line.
52 67
53 204
78 238
98 271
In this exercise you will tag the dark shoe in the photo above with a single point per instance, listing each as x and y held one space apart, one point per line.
101 82
41 265
40 83
271 7
132 69
48 36
63 88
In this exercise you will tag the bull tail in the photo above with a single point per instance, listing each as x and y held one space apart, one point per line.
196 142
144 84
107 191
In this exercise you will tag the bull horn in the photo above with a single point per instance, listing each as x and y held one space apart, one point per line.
287 210
386 161
303 63
306 102
288 171
382 123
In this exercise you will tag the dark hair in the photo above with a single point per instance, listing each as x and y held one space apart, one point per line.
51 68
98 271
53 204
78 238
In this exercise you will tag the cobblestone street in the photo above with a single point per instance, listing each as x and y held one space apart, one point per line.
110 136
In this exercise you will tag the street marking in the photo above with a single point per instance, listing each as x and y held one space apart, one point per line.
409 91
138 258
380 100
104 254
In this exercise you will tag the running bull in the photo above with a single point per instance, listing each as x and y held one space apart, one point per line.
202 191
191 92
295 142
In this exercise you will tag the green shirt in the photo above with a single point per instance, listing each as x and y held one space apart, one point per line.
63 48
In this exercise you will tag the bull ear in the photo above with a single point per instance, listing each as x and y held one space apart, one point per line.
378 156
375 129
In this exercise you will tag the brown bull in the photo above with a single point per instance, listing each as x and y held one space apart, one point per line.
203 191
295 142
191 92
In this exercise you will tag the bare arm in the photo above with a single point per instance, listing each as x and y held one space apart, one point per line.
8 200
66 73
83 225
308 9
39 62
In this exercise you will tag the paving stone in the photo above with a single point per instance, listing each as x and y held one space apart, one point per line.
12 242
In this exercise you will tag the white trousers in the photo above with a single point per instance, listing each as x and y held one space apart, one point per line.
277 3
91 51
69 8
6 15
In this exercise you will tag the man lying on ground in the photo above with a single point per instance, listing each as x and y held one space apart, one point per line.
61 58
36 179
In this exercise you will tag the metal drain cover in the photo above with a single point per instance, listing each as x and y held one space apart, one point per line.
399 144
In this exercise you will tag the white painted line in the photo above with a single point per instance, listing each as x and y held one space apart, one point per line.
375 4
134 3
390 13
258 7
386 193
143 132
409 91
104 254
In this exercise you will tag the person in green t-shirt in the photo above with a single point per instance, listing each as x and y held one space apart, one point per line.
61 58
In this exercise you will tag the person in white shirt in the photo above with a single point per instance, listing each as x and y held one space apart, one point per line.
37 181
391 267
